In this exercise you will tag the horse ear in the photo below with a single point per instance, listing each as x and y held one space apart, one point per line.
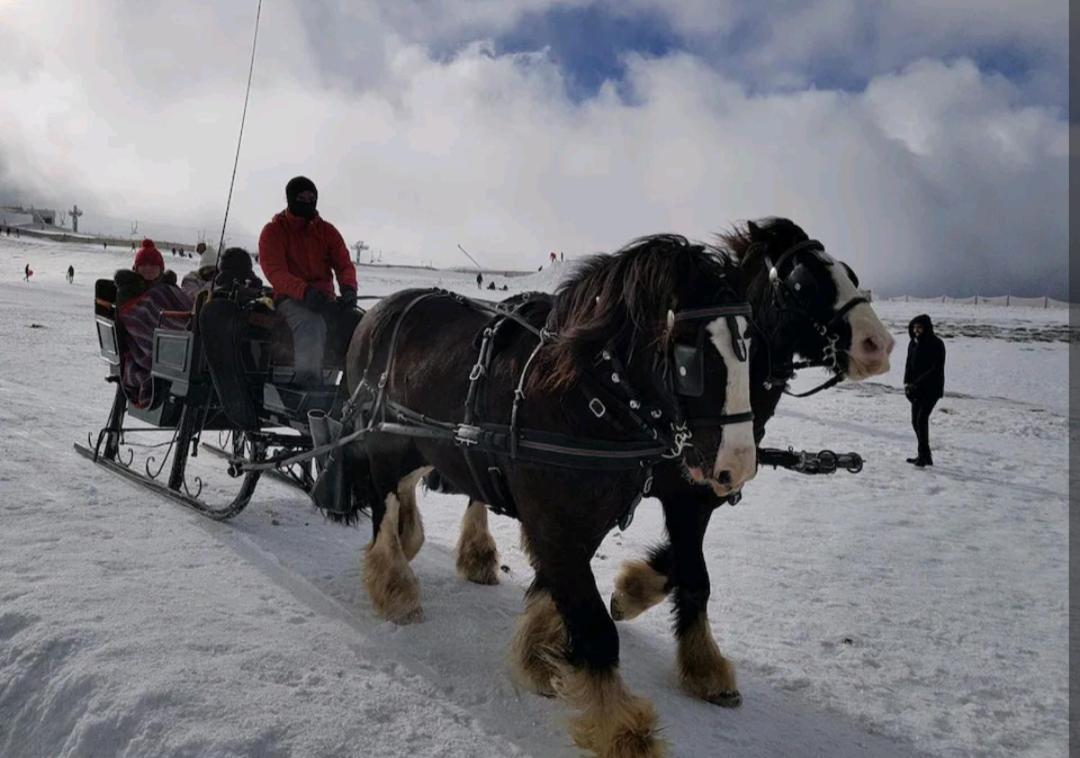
757 234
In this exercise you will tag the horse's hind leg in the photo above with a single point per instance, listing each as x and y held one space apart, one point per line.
477 556
410 525
390 582
703 671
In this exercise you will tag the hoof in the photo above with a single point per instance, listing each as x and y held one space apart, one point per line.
414 616
726 698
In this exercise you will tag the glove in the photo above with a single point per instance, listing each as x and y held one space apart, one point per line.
315 299
347 298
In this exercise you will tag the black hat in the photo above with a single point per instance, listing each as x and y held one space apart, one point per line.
297 185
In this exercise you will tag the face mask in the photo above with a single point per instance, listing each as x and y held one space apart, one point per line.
302 209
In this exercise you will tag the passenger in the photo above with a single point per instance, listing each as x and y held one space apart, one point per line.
142 294
223 323
300 254
201 278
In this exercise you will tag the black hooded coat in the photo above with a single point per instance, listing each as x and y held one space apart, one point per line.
925 367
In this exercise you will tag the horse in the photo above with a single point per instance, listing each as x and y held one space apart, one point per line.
804 303
601 375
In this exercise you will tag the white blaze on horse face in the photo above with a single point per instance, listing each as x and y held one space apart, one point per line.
871 342
736 460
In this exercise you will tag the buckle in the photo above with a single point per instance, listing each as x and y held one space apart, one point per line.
597 407
466 434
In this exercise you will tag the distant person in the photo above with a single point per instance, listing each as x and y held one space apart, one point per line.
491 285
142 294
301 254
133 244
562 257
202 277
70 274
27 273
104 245
479 281
551 256
16 232
924 382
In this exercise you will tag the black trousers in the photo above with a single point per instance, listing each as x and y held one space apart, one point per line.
920 422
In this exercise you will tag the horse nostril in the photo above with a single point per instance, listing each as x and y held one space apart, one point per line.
724 477
870 345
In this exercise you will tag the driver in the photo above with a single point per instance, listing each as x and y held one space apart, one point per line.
301 254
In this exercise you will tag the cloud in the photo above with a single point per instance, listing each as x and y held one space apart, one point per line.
935 175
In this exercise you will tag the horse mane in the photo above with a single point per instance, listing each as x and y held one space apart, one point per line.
623 297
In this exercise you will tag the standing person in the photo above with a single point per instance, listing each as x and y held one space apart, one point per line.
71 274
479 281
27 273
924 382
301 253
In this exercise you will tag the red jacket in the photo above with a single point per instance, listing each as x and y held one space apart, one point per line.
295 254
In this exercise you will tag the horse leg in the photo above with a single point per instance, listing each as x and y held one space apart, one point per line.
410 525
390 582
611 720
642 584
703 671
477 556
539 641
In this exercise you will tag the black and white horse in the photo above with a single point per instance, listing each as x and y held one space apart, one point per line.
805 304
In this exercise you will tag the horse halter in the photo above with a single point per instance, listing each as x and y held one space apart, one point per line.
787 293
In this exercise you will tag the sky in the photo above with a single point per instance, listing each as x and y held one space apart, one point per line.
925 142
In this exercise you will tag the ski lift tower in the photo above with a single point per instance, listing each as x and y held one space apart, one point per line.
360 247
75 213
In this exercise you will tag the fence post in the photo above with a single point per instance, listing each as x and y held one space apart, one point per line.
1006 301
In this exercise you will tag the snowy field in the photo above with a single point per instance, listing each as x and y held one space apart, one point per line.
897 612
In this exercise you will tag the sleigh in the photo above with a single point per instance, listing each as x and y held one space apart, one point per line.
188 410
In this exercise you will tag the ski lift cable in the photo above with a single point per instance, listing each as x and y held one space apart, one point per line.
240 137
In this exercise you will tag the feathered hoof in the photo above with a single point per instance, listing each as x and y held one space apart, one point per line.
638 588
613 722
479 567
634 738
726 698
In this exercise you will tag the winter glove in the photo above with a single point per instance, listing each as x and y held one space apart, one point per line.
315 299
347 298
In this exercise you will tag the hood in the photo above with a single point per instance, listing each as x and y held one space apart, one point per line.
924 319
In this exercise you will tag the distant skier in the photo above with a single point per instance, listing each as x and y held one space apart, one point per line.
479 281
924 382
27 273
70 274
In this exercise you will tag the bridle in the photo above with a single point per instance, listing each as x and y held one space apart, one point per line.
677 373
787 300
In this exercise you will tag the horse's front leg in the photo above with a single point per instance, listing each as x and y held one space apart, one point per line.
703 671
611 721
641 584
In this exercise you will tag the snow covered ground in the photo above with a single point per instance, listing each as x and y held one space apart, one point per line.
896 612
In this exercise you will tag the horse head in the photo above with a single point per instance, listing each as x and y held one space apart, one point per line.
672 316
811 302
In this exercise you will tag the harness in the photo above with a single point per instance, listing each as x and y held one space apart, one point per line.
787 299
658 420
